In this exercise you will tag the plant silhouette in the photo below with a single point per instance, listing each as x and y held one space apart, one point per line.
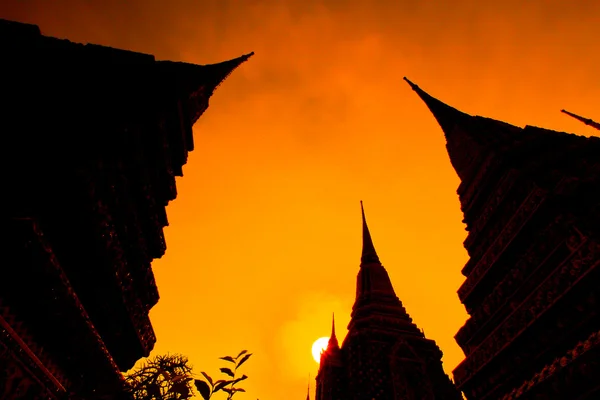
170 377
164 377
209 387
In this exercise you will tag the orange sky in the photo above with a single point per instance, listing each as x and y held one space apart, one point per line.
264 237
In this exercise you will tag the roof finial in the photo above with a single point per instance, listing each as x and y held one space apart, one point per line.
464 142
586 121
308 390
333 325
412 85
369 255
333 342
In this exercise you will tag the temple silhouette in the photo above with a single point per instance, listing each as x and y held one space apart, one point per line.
93 138
384 354
531 203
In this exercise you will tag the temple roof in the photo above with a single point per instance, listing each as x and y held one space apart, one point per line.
128 115
333 342
125 69
369 255
468 138
308 389
198 81
472 139
331 355
373 278
375 295
206 76
462 142
446 116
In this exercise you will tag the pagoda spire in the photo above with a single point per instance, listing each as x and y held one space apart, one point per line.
372 277
374 290
461 142
308 389
586 121
468 138
333 342
447 116
376 302
219 72
191 81
331 354
369 255
194 77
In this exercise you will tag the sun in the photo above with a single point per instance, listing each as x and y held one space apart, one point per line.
318 347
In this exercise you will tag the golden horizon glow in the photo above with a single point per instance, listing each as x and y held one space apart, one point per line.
319 347
264 238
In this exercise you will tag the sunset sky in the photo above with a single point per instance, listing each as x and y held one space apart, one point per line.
264 237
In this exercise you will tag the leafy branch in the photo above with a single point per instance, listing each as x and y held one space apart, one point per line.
209 387
160 378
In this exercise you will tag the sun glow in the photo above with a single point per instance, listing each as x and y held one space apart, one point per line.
318 347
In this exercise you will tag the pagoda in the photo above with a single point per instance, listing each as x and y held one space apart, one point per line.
531 203
93 138
384 355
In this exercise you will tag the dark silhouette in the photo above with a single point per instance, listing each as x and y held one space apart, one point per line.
531 204
93 138
586 121
162 377
208 387
384 355
171 377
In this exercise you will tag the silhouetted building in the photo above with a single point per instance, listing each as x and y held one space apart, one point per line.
384 355
92 139
531 204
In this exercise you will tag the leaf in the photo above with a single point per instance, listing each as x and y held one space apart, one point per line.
243 360
242 353
227 371
228 390
208 378
244 377
239 390
227 358
203 388
219 385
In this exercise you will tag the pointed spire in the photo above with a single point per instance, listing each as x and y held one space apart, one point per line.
462 148
446 116
192 77
369 255
331 354
332 324
308 390
586 121
333 342
198 81
375 295
469 139
219 72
